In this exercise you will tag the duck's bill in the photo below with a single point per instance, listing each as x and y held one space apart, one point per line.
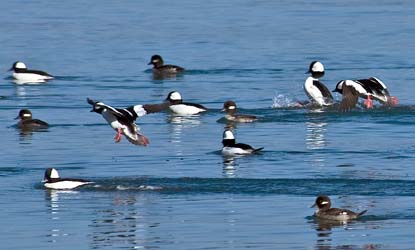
314 205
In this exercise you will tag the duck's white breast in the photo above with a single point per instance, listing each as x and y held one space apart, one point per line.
182 109
234 151
64 184
30 77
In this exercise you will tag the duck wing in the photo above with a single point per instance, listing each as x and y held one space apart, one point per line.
242 118
98 104
90 101
247 147
154 108
171 68
349 98
195 105
38 72
33 123
376 87
243 146
323 89
345 212
135 136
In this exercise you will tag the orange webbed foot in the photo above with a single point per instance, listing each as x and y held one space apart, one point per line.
393 101
118 136
368 102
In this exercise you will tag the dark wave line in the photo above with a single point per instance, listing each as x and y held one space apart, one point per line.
301 187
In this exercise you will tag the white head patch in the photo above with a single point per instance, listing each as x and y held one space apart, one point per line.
20 65
317 67
139 110
27 115
324 202
175 96
54 174
231 107
228 135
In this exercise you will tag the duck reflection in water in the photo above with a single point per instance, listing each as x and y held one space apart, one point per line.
324 233
229 166
325 230
178 125
53 202
316 140
122 224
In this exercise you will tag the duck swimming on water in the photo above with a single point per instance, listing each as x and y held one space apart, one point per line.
318 93
325 211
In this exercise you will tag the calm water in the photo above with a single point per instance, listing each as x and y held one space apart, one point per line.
179 192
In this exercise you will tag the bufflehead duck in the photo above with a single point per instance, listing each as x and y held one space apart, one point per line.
122 120
160 68
324 210
24 75
179 107
53 181
231 148
370 88
26 121
230 108
318 93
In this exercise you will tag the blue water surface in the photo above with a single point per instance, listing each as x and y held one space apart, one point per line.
179 192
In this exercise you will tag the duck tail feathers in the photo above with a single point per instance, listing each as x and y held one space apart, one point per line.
257 150
361 213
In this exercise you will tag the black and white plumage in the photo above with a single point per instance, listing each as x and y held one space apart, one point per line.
123 120
161 69
318 93
231 113
177 106
369 88
26 122
24 75
52 180
231 148
324 211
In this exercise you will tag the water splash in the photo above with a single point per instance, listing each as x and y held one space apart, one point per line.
282 101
